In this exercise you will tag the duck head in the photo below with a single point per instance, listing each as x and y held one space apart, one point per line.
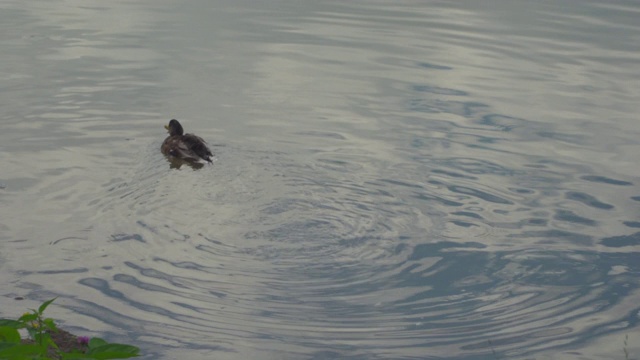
174 128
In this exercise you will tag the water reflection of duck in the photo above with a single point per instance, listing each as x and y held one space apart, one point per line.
182 146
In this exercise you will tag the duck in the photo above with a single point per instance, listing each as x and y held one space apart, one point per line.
183 146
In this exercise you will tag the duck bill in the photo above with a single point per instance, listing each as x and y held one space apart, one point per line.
166 127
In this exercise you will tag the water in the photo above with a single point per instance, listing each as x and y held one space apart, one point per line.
393 180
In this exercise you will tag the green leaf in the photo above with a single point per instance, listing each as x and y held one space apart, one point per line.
49 341
45 304
113 351
75 356
49 324
28 317
44 339
20 351
6 345
12 323
9 334
95 342
32 332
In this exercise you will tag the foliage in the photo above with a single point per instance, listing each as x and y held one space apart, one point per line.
42 347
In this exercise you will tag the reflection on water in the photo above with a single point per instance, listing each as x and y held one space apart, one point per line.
393 180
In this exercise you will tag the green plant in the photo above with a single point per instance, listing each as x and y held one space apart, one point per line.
41 344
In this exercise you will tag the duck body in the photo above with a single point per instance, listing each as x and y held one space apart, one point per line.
187 147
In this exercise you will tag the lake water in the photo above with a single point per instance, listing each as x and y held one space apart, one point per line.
393 179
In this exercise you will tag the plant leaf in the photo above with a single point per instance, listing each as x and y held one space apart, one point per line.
6 345
113 351
45 304
49 341
20 351
50 324
32 332
28 317
95 342
12 323
75 356
9 334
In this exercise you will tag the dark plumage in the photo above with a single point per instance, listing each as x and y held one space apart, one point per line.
187 147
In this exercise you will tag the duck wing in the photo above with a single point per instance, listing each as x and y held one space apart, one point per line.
196 146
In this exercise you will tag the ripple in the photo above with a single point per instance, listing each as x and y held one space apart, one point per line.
588 200
606 180
622 241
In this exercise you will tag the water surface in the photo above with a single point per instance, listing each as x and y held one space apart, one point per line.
393 180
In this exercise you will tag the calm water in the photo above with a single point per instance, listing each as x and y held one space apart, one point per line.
393 179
